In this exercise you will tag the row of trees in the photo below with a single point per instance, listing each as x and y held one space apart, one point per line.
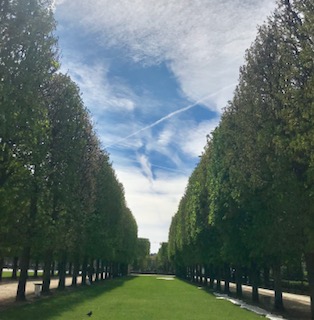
59 196
144 262
141 257
249 202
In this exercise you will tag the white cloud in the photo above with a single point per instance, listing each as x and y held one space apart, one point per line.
99 92
193 141
203 43
166 117
146 167
152 203
196 38
188 137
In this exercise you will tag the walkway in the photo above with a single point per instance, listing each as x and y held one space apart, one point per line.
8 289
297 307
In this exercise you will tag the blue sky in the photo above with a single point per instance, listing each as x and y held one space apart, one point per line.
155 75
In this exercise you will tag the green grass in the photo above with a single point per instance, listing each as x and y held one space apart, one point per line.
8 274
140 298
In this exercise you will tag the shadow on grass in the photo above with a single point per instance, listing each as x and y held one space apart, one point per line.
294 310
62 301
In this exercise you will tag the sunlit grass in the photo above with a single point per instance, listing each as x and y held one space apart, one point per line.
8 274
139 298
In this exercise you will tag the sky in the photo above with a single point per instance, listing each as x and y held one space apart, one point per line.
156 75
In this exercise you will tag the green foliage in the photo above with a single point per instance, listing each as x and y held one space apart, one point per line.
141 257
59 195
163 262
27 48
258 165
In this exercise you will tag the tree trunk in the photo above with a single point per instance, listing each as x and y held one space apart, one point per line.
193 273
70 268
26 252
238 278
266 277
218 279
115 269
15 267
1 267
254 282
47 270
188 273
212 277
227 279
84 271
62 270
97 270
24 264
108 268
218 285
102 269
206 275
309 260
76 267
126 269
36 269
278 287
197 273
53 266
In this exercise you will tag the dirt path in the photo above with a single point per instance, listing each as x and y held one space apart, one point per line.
8 289
305 300
297 307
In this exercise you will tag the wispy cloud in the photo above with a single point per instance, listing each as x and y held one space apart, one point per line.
146 167
192 142
169 116
202 41
152 204
98 91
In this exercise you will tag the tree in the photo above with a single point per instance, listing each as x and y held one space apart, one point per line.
260 177
164 264
141 255
27 60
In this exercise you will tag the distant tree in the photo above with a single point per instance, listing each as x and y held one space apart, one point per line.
163 262
142 255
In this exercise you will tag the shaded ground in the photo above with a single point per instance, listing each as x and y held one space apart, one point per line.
8 289
297 307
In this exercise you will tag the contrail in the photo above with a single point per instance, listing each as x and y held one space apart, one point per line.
168 116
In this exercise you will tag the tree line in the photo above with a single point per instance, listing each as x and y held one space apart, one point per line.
60 199
249 203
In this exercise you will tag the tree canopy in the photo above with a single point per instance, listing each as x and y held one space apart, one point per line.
254 181
60 199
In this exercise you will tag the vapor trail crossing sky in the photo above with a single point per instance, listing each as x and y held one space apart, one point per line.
168 116
142 60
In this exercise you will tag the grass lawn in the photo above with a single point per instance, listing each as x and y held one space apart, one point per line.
8 274
138 298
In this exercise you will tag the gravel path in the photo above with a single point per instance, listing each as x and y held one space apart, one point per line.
297 307
8 289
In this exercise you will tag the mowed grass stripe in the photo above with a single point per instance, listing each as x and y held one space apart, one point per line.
140 298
